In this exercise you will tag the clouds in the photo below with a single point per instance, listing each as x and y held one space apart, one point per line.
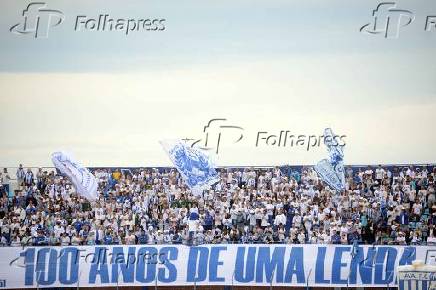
278 65
202 33
99 116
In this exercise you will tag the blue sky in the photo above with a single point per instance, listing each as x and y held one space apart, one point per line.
299 65
201 32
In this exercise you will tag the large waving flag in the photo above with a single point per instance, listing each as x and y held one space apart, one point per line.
336 154
83 180
195 166
331 170
327 173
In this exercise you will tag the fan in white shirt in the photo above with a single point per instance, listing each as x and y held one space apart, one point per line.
280 219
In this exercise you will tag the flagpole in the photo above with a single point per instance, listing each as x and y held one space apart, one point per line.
271 279
37 279
386 270
307 279
155 280
118 277
78 280
233 277
353 256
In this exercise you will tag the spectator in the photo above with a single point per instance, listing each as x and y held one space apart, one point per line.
20 175
5 181
151 206
65 239
28 178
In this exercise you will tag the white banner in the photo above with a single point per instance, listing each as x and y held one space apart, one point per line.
224 264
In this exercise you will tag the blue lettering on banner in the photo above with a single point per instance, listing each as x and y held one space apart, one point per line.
168 254
249 265
29 258
214 263
197 256
269 265
382 269
46 256
319 266
146 267
126 265
295 266
338 264
99 266
68 266
409 255
244 269
363 264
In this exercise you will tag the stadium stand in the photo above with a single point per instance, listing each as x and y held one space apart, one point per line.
392 205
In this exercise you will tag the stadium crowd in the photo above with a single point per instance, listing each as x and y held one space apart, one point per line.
380 205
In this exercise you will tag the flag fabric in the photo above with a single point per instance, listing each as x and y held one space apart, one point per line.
83 180
327 173
193 164
336 154
331 170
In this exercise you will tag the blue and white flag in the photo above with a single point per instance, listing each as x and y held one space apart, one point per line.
417 276
195 166
336 154
331 170
83 180
327 173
